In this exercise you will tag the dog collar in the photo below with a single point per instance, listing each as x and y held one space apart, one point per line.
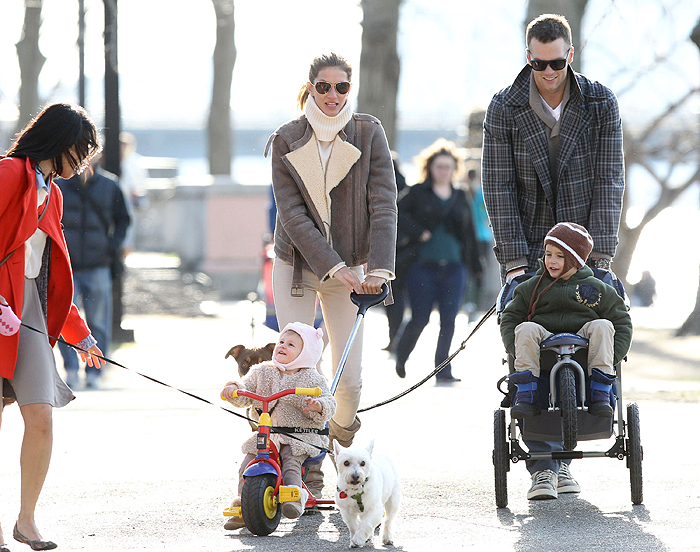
357 497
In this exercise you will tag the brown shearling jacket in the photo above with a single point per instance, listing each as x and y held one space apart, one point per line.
359 198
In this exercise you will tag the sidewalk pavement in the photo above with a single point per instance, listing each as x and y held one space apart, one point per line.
139 466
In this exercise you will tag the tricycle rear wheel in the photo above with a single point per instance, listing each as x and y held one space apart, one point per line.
261 512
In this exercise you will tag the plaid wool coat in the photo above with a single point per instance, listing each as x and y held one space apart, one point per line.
517 183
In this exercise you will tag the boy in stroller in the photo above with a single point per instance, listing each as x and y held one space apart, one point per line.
564 296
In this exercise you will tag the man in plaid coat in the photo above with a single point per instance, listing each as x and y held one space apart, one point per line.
552 153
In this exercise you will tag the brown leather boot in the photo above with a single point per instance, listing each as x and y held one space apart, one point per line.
344 435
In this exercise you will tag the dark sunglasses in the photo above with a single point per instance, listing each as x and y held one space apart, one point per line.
323 87
556 64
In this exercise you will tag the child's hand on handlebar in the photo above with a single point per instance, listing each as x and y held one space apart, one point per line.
312 405
227 392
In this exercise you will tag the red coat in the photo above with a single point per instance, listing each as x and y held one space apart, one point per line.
18 222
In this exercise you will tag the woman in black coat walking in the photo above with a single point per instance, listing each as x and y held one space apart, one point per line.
436 225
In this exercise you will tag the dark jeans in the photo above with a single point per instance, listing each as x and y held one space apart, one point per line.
94 288
428 284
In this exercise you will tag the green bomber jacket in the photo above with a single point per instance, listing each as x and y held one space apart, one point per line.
567 306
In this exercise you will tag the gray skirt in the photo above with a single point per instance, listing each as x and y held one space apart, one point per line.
36 378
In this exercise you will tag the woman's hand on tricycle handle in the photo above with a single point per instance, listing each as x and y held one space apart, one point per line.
373 285
349 279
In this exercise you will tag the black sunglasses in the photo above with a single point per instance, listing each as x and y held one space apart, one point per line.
556 64
323 87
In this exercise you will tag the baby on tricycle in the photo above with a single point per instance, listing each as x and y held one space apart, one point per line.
295 356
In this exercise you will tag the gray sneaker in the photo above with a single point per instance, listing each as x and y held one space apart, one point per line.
567 484
544 485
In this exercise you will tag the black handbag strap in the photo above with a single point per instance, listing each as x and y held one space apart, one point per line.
41 216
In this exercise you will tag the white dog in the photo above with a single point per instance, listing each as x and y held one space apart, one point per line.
368 485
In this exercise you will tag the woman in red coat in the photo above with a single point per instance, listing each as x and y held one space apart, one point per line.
37 284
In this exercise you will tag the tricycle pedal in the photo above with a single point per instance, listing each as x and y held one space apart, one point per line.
233 512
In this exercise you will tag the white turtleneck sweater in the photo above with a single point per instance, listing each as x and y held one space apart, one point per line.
326 128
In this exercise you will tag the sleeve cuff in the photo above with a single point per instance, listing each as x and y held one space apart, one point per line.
335 269
382 273
517 263
88 343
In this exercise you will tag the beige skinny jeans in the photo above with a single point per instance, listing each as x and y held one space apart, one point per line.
339 315
601 338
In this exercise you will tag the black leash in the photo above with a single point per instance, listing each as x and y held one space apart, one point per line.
281 430
285 430
437 368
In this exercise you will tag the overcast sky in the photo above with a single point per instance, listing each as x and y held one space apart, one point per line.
455 55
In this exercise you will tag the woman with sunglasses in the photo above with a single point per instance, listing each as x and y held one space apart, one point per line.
36 283
333 180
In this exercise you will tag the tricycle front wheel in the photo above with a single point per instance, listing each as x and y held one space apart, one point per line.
261 512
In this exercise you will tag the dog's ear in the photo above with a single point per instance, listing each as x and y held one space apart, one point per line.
370 447
270 347
337 449
235 351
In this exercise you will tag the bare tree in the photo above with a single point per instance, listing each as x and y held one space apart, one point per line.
111 153
379 63
692 324
219 124
573 10
31 61
656 141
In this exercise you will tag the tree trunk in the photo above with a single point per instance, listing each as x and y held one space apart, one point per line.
379 63
573 10
111 153
219 124
30 63
692 324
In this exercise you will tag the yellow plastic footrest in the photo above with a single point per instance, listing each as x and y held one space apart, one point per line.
289 494
233 512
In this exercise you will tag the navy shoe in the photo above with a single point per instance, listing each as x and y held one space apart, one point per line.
527 399
601 384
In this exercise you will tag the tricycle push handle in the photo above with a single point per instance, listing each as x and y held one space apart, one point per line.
367 300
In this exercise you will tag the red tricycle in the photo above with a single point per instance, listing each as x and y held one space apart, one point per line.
263 487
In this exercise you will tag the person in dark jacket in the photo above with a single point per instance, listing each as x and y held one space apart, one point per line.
435 218
95 221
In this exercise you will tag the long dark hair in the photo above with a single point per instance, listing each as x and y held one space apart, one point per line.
51 134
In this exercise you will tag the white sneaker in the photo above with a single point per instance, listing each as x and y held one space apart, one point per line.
566 483
544 485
